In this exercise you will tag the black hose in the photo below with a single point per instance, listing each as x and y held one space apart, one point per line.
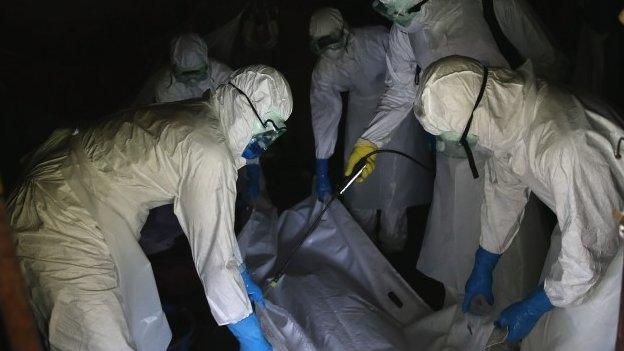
362 161
360 164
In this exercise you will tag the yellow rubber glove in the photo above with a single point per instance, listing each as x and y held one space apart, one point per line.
362 148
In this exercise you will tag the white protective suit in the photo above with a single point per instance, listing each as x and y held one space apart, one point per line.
189 52
443 28
360 70
78 215
543 141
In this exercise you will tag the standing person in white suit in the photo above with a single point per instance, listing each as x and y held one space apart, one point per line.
353 60
78 215
423 32
541 140
191 72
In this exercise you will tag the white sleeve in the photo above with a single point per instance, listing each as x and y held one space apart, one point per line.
503 206
167 88
398 99
326 107
220 72
585 196
526 32
205 209
147 94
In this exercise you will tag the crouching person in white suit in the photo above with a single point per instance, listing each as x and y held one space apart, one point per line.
77 216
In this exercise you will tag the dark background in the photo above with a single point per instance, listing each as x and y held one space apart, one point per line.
69 62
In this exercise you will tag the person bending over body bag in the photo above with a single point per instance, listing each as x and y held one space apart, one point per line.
540 140
78 214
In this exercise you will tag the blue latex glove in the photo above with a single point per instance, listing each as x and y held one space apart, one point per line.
249 334
253 290
520 317
323 185
480 280
253 181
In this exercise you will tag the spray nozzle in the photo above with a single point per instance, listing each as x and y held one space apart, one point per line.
357 170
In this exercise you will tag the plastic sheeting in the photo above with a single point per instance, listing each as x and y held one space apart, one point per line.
335 293
340 293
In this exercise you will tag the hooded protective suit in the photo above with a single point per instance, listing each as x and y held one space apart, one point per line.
360 70
189 53
543 141
443 28
78 215
455 27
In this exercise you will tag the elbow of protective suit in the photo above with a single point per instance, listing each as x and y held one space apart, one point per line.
569 290
249 334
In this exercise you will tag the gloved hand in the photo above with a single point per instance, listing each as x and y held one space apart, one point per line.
253 290
362 148
249 334
323 185
520 317
480 280
253 182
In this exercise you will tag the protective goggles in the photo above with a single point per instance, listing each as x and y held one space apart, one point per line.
273 127
259 143
401 17
191 76
464 138
334 41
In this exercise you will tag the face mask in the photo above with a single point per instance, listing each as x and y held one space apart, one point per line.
193 77
335 42
448 144
264 133
259 143
397 11
464 141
